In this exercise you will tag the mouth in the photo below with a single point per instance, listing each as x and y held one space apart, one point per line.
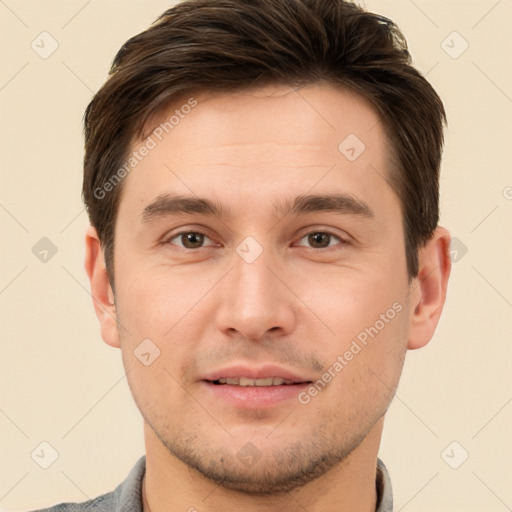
248 382
244 388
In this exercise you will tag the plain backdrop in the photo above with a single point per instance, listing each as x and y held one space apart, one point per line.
61 384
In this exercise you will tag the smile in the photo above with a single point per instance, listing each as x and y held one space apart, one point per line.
246 381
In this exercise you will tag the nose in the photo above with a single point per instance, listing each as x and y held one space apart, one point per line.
255 300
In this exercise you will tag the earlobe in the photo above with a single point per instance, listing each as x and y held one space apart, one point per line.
102 294
428 289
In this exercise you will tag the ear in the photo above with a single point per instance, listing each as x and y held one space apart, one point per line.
428 290
102 294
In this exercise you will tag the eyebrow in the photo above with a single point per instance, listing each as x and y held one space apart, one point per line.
166 205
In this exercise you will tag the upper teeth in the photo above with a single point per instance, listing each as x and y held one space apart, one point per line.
245 381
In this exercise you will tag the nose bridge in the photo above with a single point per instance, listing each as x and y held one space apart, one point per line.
254 301
253 278
254 282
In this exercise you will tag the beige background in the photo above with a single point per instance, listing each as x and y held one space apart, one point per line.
61 384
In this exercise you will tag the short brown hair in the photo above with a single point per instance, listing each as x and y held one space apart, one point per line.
230 45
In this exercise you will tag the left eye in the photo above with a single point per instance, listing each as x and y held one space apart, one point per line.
189 239
321 239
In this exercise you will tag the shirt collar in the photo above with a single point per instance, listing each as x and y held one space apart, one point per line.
384 490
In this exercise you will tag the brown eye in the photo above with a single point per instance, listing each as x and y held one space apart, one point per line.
321 239
189 239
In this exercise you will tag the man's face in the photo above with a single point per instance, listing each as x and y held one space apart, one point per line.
261 289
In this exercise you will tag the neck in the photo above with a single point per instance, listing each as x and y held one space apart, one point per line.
172 485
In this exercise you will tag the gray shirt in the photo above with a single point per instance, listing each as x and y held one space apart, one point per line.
127 496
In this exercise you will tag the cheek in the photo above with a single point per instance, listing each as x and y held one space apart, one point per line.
363 328
157 339
150 301
363 366
348 300
170 309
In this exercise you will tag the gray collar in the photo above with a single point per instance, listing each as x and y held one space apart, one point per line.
384 490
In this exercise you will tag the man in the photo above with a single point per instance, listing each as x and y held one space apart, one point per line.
262 180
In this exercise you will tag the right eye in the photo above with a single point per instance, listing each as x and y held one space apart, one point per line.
189 239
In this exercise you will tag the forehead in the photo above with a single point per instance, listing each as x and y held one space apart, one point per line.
318 116
262 141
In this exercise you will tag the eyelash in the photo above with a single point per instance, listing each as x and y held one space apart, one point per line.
329 233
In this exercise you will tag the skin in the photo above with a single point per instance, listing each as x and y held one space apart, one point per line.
300 304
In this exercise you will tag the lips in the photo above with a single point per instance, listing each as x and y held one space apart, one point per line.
246 381
246 387
264 376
